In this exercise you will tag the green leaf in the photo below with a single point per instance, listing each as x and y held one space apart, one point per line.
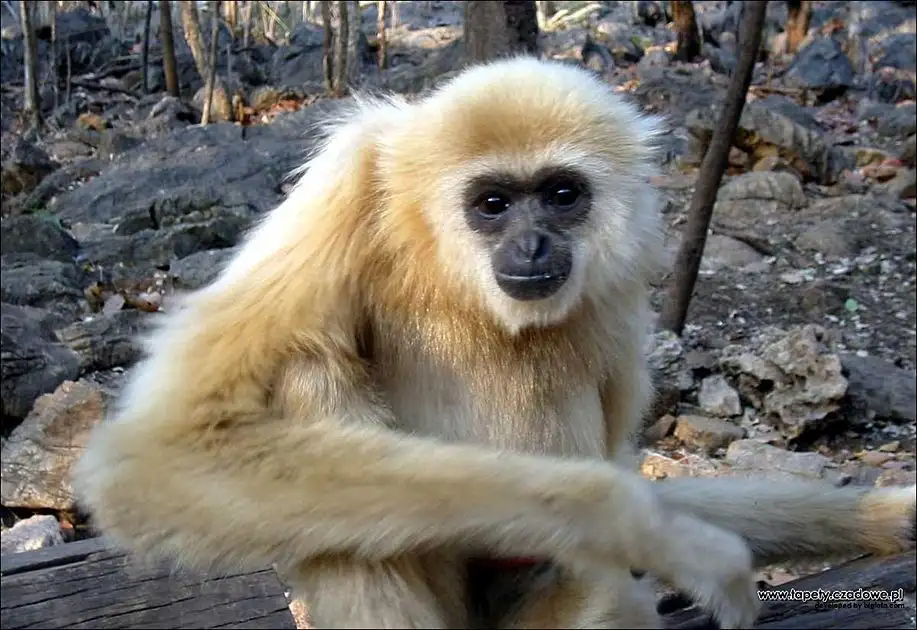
851 305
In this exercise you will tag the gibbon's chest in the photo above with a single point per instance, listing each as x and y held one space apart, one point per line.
508 401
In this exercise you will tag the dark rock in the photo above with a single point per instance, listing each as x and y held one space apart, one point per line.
899 122
201 268
879 387
899 51
24 168
39 235
822 65
31 363
107 340
50 284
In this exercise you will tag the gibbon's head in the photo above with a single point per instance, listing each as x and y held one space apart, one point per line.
534 178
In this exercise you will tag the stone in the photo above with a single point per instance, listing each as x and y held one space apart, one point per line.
755 456
658 466
896 477
716 396
821 65
31 534
31 362
899 122
881 389
40 453
37 234
707 434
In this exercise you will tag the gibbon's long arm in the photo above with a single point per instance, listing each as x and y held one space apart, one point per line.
200 480
795 519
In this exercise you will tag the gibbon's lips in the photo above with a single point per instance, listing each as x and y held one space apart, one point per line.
528 288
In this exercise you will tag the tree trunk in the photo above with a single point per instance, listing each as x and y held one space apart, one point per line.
340 53
681 284
498 29
354 25
799 14
248 17
232 15
328 47
381 11
686 30
546 8
55 73
212 69
168 47
30 65
145 50
191 25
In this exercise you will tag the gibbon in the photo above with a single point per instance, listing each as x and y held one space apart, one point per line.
413 389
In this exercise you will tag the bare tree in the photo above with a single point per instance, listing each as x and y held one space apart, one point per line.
381 10
192 27
546 8
496 29
231 14
686 30
247 18
328 48
168 47
799 14
30 64
55 78
354 28
340 53
681 284
145 50
212 69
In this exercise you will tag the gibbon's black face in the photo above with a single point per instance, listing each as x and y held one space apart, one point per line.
528 224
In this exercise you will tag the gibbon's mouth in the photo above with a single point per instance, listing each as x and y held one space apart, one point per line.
529 288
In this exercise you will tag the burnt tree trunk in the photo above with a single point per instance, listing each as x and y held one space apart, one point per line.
498 29
168 47
212 62
686 29
30 65
145 51
341 48
328 46
382 11
687 262
799 14
55 71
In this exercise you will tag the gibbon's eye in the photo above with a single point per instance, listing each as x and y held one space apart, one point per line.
493 204
562 195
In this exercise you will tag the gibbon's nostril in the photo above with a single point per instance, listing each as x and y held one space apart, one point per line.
533 247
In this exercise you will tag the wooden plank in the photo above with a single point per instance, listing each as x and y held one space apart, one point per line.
88 586
868 573
85 585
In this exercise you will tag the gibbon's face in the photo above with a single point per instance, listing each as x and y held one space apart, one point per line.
532 180
526 224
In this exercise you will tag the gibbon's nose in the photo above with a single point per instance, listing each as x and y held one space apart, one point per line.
531 249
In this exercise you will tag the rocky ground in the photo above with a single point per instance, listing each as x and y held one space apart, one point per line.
799 358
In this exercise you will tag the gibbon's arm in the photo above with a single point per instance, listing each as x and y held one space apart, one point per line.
209 477
792 520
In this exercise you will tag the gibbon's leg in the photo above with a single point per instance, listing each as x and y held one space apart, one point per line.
612 599
794 520
410 591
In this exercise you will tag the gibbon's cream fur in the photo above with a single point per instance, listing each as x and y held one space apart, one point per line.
372 393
